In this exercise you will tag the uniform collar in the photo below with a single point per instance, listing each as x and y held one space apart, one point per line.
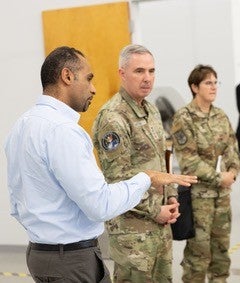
141 111
194 109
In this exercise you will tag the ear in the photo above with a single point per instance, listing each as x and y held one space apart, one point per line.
194 88
121 72
67 76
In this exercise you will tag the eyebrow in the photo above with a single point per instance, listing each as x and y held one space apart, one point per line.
142 69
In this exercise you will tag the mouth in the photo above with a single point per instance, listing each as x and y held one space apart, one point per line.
146 88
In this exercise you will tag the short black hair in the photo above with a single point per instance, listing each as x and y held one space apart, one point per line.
58 59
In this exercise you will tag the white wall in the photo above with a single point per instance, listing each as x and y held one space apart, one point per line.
180 33
184 33
236 37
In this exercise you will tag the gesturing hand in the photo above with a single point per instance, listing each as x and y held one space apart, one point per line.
160 178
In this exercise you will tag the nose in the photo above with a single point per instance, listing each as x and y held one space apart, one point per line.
93 89
148 76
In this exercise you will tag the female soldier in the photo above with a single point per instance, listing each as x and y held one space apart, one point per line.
205 145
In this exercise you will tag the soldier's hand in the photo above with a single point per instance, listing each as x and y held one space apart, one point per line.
227 179
175 212
160 178
168 214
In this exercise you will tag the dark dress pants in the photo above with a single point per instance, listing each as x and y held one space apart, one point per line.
77 266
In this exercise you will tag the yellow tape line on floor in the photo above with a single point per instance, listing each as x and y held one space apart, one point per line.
9 274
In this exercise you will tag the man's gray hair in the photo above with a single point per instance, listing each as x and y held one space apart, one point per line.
128 50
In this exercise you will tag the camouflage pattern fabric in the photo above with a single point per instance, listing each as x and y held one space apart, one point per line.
130 139
207 253
199 138
139 257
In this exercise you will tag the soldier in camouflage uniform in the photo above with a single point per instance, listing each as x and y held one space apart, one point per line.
129 136
206 146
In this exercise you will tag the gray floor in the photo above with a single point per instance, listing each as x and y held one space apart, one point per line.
13 268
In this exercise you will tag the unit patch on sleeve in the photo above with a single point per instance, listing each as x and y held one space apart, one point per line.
110 141
180 137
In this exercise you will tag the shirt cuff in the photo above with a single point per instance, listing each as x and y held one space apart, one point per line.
144 180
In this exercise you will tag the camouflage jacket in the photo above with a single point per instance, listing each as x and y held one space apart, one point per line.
199 139
129 139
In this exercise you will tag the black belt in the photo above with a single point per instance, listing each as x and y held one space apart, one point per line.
67 247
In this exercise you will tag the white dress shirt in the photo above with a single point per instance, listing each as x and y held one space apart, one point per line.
57 191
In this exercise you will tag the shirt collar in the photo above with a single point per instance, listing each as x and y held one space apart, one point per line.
60 106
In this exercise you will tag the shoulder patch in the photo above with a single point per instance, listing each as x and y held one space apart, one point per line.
110 141
180 137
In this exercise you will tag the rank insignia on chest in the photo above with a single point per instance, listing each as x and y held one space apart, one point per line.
180 137
110 141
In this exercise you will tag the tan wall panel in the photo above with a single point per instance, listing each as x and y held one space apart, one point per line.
99 31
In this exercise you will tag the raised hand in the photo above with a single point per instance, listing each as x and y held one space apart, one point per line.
160 178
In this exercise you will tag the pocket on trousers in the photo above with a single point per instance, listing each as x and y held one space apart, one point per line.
106 274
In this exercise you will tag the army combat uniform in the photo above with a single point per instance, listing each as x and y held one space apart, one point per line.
130 139
201 141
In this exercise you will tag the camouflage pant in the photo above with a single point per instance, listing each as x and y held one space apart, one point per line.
207 253
142 258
